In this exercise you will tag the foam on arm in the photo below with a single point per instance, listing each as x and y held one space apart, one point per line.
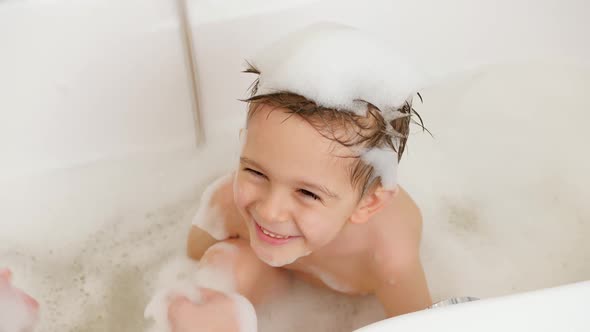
209 216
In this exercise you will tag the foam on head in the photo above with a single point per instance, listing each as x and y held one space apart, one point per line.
337 67
341 68
384 162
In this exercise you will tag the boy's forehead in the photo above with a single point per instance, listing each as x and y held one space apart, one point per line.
274 128
274 122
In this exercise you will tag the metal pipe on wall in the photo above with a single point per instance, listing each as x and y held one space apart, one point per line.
190 60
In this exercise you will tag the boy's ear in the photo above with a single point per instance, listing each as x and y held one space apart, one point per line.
372 203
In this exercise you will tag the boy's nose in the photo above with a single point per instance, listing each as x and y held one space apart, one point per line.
273 209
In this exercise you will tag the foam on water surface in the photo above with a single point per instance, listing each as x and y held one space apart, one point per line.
502 188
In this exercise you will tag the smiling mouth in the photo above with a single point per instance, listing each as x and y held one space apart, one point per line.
271 234
272 238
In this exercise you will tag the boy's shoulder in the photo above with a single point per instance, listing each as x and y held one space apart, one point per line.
217 213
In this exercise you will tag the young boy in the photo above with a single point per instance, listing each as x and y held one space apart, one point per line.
315 194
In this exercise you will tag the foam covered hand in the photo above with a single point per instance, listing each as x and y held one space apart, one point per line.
216 312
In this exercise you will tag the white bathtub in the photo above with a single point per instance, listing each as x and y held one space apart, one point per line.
99 173
562 308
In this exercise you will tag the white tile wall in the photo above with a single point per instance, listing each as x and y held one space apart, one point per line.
97 79
90 79
442 37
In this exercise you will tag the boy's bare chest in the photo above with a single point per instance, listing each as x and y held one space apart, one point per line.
351 275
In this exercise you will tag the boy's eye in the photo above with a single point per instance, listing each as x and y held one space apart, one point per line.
309 194
256 173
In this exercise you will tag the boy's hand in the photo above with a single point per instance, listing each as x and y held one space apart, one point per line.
217 312
18 311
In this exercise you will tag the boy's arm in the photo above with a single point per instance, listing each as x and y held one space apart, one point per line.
402 286
403 289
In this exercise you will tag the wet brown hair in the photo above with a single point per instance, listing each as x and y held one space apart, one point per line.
344 127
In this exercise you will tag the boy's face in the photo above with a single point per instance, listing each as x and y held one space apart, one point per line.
291 188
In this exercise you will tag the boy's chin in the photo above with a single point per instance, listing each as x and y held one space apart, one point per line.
277 257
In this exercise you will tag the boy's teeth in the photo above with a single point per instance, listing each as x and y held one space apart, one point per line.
276 236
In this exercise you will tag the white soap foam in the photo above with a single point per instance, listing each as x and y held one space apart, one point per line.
247 319
336 66
175 279
182 276
102 233
384 162
221 277
209 217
